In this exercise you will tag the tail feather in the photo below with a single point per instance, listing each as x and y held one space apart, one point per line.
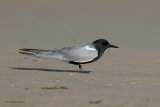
39 53
27 53
36 51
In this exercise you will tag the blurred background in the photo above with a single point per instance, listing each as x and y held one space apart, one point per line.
49 24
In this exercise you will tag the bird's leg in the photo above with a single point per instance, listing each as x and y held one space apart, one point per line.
80 68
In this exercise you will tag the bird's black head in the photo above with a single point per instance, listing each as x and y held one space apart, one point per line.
103 44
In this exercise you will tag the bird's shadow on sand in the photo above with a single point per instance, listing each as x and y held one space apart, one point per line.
48 70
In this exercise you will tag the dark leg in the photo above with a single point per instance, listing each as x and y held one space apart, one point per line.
80 68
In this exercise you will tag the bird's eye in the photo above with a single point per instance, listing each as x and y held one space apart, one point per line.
105 43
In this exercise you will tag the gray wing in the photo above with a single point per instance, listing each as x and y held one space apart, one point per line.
79 53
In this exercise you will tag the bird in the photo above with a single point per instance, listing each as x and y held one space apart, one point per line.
75 54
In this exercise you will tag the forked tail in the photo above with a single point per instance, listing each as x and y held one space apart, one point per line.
32 52
42 53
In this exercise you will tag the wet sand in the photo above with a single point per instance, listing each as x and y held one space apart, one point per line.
125 77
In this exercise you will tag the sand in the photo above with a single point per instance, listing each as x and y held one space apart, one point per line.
125 77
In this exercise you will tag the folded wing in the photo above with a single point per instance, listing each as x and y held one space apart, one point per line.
83 53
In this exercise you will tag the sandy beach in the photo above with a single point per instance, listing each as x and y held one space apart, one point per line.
125 77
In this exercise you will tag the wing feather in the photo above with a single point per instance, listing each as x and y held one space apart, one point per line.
82 53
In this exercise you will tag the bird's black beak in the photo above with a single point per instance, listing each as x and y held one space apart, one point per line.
112 46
